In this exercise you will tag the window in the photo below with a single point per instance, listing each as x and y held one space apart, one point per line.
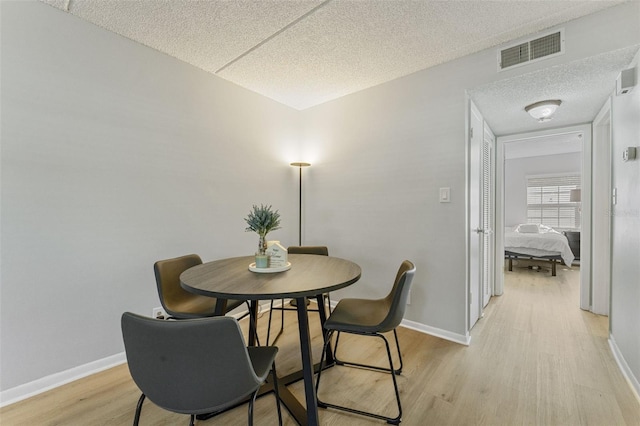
549 201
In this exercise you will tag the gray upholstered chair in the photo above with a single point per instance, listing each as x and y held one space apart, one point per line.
176 301
195 366
367 317
318 250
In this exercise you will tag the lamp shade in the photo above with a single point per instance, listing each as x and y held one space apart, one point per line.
543 110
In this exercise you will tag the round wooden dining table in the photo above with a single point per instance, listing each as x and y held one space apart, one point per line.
309 276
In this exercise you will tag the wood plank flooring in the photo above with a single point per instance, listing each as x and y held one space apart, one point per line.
535 359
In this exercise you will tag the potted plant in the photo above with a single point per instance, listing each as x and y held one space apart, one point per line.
262 220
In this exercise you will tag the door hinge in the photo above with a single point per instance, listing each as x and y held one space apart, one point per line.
471 133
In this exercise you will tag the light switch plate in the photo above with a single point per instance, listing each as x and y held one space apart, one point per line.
445 195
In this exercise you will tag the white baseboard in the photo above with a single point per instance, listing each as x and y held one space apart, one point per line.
432 331
437 332
44 384
624 368
52 381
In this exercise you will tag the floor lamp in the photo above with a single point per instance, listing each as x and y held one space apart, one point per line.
300 166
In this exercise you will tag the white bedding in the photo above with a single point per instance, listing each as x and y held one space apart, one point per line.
546 242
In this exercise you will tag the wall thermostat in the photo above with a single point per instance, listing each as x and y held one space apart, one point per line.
629 153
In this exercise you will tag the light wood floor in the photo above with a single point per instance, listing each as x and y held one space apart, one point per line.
535 358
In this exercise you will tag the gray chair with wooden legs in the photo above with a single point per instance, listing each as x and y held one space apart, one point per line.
195 366
318 250
176 301
370 318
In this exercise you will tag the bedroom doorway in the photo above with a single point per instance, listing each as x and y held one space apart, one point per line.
547 153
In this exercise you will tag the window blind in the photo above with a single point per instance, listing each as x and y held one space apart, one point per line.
548 201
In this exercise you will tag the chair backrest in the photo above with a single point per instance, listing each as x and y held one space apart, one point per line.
191 366
320 250
397 298
168 280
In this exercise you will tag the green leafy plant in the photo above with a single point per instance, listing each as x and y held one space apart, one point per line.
262 220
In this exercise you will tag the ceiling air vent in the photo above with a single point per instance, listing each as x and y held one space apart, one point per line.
531 50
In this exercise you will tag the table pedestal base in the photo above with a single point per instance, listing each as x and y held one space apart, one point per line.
303 416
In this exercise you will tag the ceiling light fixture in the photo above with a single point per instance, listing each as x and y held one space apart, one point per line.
543 110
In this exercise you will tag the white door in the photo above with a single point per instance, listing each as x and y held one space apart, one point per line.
488 237
475 208
481 247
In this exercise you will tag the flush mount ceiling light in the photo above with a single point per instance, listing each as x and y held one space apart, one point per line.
543 110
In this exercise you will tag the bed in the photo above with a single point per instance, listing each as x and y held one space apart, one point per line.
538 242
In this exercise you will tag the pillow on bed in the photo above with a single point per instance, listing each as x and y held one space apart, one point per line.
528 228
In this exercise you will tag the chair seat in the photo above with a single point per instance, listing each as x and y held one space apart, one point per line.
197 307
359 315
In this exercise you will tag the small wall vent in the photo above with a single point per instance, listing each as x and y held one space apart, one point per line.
531 50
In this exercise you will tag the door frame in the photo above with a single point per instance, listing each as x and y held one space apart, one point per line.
601 271
473 249
585 227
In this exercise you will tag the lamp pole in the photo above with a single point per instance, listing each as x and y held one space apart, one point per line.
300 165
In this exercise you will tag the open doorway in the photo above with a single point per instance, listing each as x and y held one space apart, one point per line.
544 182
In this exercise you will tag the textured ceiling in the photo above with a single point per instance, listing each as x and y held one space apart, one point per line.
583 86
305 52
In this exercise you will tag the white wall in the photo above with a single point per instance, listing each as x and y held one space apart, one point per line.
516 171
625 220
373 194
115 156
